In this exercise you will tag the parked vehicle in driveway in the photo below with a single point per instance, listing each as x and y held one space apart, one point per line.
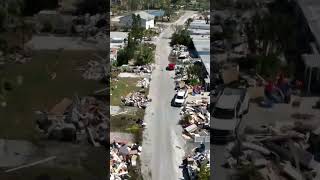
231 105
180 98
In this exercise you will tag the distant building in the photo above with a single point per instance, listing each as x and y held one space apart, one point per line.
200 24
147 20
117 39
200 34
156 13
309 13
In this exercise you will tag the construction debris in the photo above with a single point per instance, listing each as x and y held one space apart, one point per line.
95 70
195 117
136 99
72 120
19 58
200 158
122 156
279 152
144 83
145 69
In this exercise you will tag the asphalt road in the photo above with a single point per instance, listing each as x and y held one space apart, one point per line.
162 144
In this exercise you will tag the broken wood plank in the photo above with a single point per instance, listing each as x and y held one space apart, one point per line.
31 164
292 172
256 147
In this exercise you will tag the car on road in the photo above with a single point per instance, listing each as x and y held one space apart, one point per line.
180 98
170 67
231 105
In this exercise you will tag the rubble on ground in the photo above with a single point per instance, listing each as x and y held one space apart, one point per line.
136 99
95 70
76 120
279 152
144 83
199 158
147 69
123 156
17 57
195 117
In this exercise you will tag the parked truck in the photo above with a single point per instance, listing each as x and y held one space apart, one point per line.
231 105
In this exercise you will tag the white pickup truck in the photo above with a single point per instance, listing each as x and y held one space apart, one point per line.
231 104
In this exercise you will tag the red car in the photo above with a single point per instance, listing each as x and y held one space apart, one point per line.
170 67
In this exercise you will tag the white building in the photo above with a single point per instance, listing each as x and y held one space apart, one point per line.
117 39
147 20
200 34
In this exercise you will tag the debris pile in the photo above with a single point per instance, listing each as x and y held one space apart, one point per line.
94 71
76 120
136 99
137 69
200 158
287 152
123 156
19 58
179 54
89 24
144 83
195 119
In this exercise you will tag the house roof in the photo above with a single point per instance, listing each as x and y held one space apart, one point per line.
202 45
156 13
143 15
311 11
117 34
311 60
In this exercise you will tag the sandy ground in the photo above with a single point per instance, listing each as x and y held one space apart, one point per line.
116 110
122 137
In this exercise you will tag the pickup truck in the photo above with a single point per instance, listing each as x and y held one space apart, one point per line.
231 105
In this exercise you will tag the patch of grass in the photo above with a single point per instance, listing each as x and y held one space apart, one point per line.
127 123
137 131
124 121
39 92
135 172
122 87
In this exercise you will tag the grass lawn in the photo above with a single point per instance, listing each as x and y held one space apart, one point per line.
135 172
38 91
122 87
127 123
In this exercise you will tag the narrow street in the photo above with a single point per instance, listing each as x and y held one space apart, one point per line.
162 141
